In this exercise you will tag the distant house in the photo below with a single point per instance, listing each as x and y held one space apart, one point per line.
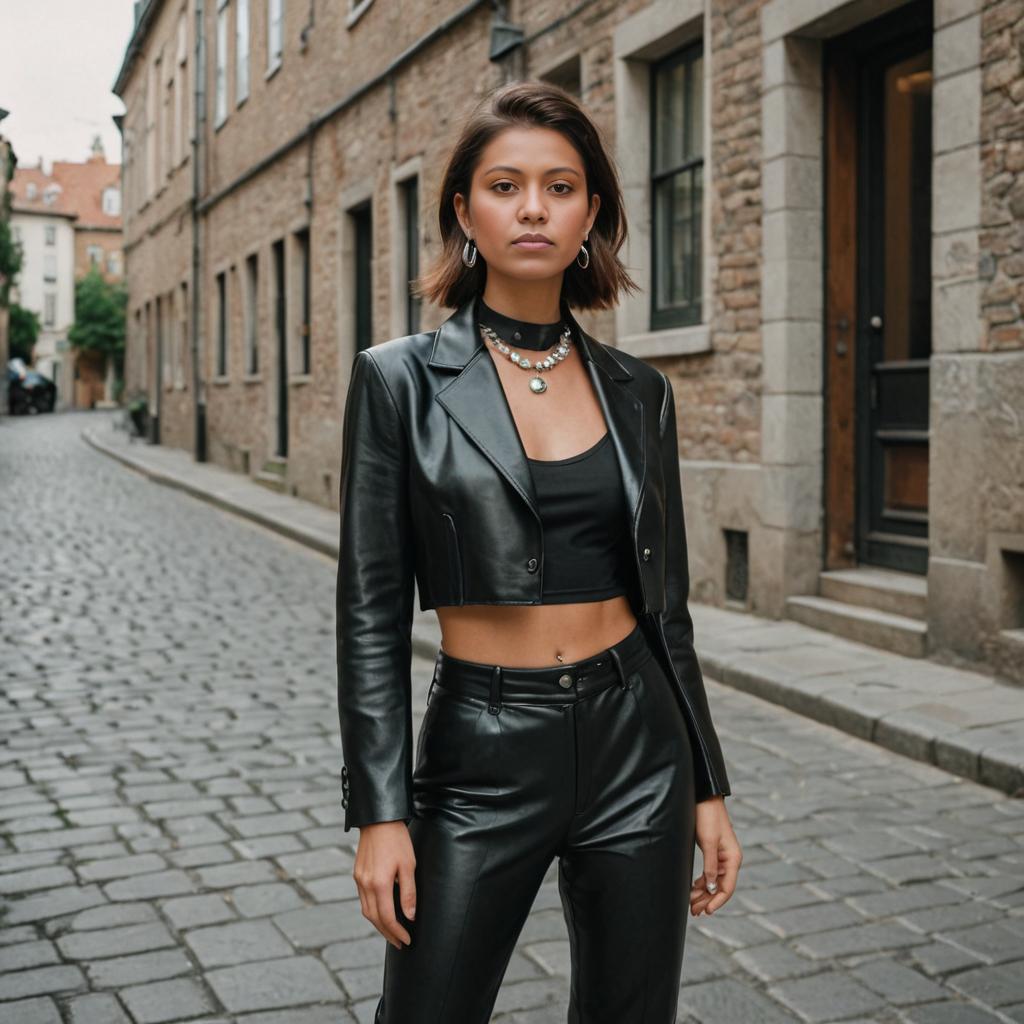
67 219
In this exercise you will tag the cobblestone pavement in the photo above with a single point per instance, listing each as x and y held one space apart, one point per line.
171 845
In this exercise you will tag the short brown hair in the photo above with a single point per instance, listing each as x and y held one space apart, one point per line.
448 281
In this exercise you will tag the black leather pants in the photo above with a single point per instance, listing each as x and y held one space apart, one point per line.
588 762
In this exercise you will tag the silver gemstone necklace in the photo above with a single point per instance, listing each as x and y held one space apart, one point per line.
537 384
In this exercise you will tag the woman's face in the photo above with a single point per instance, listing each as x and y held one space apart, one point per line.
528 181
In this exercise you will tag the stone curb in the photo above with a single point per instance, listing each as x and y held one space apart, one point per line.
922 741
941 744
276 522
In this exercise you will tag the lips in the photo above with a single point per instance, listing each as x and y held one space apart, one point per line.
532 243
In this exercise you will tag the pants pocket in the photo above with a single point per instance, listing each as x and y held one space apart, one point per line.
458 746
659 710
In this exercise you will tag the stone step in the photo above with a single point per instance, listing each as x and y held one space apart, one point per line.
887 630
885 590
276 464
271 480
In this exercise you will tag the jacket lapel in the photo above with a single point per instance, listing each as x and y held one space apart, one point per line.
476 400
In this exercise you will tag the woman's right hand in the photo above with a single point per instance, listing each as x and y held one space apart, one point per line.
384 853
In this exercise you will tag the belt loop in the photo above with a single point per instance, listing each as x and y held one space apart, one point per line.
495 704
623 681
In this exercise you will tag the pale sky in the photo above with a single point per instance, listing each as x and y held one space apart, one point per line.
58 62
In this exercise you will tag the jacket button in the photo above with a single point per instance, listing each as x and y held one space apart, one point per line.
565 681
531 565
647 554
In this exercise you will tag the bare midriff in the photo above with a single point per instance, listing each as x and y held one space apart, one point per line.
534 636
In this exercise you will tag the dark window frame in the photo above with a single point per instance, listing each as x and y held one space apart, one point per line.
222 324
411 207
666 316
252 299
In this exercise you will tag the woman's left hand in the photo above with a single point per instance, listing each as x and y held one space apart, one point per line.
722 857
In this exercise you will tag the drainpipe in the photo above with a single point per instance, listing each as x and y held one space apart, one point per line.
198 384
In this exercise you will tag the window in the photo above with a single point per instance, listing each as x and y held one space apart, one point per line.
221 78
275 16
179 366
114 263
49 310
51 234
362 224
30 190
241 50
49 266
163 351
94 254
567 75
168 143
410 200
677 166
222 324
158 126
181 90
302 245
50 194
252 292
112 200
141 351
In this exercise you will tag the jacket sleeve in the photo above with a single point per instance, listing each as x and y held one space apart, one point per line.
710 774
376 566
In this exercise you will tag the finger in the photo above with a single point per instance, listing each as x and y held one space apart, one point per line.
407 890
389 921
376 918
710 869
726 886
699 907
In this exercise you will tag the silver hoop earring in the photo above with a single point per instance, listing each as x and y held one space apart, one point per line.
469 258
585 262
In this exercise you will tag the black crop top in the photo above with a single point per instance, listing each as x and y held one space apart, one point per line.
581 498
584 518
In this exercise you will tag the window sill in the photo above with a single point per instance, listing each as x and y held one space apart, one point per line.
217 125
675 341
300 378
253 378
357 12
220 382
271 71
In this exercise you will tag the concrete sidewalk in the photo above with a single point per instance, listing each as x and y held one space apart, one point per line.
964 722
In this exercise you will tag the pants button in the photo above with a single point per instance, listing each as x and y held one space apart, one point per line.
565 681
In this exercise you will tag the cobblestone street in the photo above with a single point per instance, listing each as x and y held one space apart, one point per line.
171 846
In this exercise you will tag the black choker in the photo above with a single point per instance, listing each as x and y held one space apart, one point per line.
519 333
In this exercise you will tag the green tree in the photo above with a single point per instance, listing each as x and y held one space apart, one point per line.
10 250
24 332
100 321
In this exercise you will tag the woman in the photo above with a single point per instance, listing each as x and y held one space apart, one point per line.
540 514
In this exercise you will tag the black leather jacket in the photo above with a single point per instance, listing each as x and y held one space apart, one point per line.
435 486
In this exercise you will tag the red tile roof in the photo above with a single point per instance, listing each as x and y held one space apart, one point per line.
80 192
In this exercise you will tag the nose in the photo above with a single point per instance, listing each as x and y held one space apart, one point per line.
533 206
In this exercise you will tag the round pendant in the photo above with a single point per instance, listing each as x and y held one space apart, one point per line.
537 385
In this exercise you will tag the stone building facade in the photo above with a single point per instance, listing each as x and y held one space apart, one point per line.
835 286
